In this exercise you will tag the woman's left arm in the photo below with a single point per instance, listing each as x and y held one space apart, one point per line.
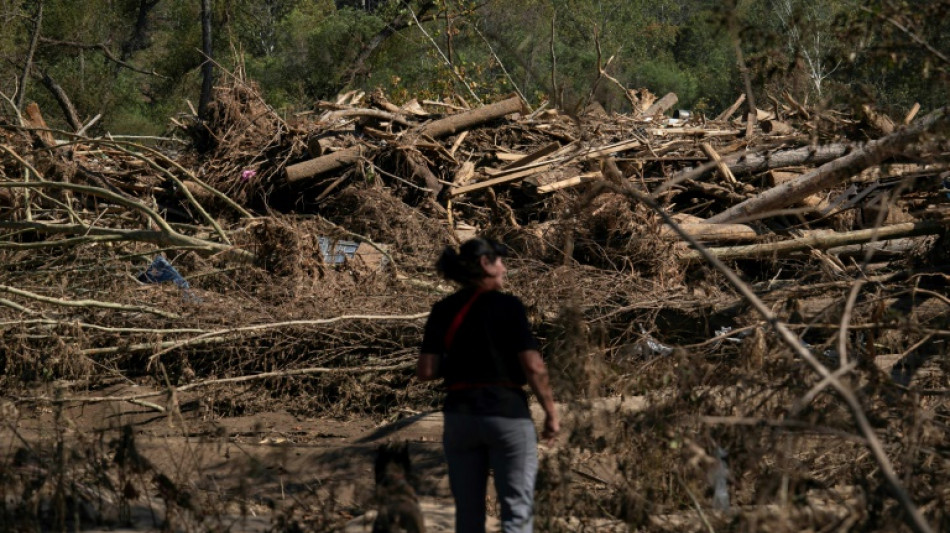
427 366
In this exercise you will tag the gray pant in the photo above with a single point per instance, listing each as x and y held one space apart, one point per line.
474 443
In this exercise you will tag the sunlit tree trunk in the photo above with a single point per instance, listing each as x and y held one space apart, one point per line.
207 68
28 64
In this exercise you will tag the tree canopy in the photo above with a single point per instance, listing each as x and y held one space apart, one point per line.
137 62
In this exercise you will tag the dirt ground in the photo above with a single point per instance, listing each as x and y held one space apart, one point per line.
261 464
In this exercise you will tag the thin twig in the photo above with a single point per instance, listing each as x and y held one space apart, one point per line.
699 510
223 335
500 64
210 382
86 303
915 519
442 54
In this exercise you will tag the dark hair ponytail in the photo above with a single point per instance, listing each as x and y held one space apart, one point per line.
464 266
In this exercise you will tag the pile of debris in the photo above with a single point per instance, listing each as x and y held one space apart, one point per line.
301 250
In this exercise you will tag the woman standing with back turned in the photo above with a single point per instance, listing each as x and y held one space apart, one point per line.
479 341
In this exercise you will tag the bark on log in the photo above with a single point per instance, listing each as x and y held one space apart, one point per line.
824 241
714 232
745 163
326 163
660 106
778 177
470 119
834 172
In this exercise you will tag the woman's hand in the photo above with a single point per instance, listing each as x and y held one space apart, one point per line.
552 426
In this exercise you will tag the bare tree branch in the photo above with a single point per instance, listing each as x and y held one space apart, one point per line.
106 51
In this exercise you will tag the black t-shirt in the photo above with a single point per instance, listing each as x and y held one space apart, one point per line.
481 368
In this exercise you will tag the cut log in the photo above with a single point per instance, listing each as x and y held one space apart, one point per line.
731 110
834 172
660 106
823 241
323 164
470 119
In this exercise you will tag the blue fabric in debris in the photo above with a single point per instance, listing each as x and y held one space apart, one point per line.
161 271
340 252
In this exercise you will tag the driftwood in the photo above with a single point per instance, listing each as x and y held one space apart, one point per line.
834 172
723 168
731 110
715 232
823 241
323 164
751 163
437 129
470 119
660 106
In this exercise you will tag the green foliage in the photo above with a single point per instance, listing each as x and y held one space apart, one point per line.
665 76
836 52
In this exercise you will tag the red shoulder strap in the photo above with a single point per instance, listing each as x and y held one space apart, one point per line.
459 317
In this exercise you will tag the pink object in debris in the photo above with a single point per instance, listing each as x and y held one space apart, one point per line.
248 174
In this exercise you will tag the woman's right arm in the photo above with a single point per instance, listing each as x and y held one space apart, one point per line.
537 374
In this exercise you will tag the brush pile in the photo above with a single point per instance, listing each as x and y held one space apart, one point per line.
301 253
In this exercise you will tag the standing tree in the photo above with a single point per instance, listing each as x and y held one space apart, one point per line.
28 63
207 68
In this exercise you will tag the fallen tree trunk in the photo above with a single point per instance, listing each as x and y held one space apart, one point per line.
470 119
745 163
323 164
714 232
660 106
824 241
832 173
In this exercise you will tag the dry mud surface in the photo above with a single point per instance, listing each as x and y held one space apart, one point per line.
270 459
